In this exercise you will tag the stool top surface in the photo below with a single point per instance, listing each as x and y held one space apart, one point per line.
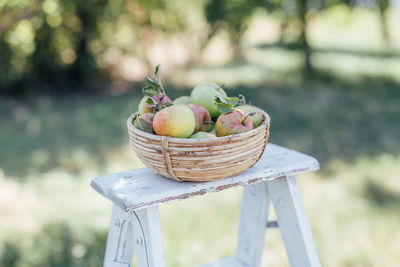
143 188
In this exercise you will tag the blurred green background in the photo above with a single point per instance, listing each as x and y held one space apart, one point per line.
328 73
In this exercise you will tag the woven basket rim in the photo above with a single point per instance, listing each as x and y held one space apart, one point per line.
266 122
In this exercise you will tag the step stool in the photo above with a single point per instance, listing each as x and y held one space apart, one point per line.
135 221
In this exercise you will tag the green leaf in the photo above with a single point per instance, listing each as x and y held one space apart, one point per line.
167 104
150 81
149 100
225 108
227 104
141 124
149 91
157 72
219 100
232 100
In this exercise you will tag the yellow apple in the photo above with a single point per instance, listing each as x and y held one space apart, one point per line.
175 121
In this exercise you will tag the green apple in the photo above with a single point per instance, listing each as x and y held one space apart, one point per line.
182 100
203 135
175 121
204 94
258 118
234 122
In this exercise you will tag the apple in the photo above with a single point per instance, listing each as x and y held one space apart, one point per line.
203 118
175 121
204 94
258 117
145 107
234 122
144 122
182 100
203 135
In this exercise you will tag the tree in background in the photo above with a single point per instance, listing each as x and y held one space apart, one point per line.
67 46
49 47
232 17
383 7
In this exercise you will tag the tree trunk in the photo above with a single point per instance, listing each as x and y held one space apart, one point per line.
302 13
383 6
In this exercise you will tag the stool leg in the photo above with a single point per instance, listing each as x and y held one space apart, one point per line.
119 248
253 223
293 223
147 237
135 230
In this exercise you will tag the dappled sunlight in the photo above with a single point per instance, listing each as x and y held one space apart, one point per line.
356 28
267 63
230 75
275 59
337 45
351 66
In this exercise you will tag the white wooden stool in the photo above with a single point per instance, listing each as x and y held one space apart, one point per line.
135 221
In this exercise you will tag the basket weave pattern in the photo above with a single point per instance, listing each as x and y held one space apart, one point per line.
184 159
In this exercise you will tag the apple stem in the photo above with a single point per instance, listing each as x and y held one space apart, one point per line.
248 115
242 100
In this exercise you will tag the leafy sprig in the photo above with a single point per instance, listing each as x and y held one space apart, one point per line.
154 85
155 92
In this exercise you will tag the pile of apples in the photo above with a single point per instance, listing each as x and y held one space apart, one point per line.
207 113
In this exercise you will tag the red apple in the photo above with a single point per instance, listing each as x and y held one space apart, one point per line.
145 107
258 118
234 122
144 122
203 118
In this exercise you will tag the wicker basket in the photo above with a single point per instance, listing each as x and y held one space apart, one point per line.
185 159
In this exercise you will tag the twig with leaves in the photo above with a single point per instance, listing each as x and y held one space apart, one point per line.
155 92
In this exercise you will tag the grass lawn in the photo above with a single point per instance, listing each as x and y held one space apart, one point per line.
50 148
